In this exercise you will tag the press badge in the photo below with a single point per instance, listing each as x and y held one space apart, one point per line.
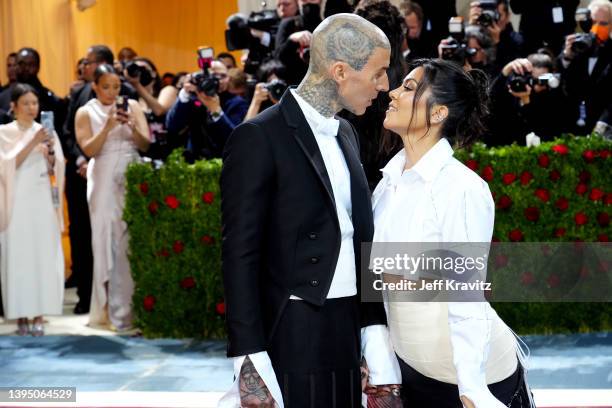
557 13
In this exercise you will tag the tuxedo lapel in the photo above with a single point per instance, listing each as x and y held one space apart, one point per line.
306 140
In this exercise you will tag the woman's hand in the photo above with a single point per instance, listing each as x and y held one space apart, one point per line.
42 136
112 120
261 93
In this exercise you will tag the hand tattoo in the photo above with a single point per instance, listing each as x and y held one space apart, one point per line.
253 390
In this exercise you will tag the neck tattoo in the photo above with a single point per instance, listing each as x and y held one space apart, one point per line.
321 93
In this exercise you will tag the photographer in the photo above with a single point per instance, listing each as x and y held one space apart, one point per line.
293 39
204 121
586 65
471 49
284 9
496 20
270 87
526 98
419 43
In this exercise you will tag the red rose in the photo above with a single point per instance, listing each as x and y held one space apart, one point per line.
542 194
560 149
515 235
553 280
526 178
527 278
543 160
153 207
508 178
580 218
584 176
501 261
148 303
220 308
608 199
562 204
560 232
581 189
504 202
472 164
178 247
603 219
208 197
487 173
532 213
604 154
207 240
596 194
144 188
172 202
602 238
163 253
188 283
555 175
588 156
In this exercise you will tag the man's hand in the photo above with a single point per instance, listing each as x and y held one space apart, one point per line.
568 54
212 103
475 12
519 66
495 32
379 396
301 37
82 170
253 391
467 403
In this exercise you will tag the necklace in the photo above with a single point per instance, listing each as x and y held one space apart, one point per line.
22 127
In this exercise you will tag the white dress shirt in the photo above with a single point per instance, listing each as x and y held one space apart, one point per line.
440 200
375 342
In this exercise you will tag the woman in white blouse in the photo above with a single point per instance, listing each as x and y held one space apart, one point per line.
450 354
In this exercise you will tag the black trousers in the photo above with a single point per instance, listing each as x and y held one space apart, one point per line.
315 353
425 392
80 234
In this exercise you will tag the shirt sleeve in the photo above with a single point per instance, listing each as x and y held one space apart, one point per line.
471 220
263 365
378 352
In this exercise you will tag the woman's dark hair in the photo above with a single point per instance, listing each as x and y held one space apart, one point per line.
21 89
270 67
102 70
157 82
465 94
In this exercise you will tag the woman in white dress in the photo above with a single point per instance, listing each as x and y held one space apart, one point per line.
451 354
31 258
112 138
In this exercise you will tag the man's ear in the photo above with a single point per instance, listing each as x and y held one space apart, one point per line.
338 71
439 113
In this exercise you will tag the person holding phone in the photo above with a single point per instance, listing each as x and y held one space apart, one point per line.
110 130
30 222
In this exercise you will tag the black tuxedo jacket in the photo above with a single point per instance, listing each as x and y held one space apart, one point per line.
281 234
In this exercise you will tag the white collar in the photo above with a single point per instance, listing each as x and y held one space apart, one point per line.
427 167
319 123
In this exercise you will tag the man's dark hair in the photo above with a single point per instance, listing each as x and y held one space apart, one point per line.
12 55
270 67
32 52
541 60
226 55
103 54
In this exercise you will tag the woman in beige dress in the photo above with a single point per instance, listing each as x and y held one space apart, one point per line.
112 138
31 259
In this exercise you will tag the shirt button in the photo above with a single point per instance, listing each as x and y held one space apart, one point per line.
314 283
312 235
314 260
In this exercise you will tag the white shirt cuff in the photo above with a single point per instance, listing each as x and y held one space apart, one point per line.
217 118
378 352
80 160
263 365
184 96
265 39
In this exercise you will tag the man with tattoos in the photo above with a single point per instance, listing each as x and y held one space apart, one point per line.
296 207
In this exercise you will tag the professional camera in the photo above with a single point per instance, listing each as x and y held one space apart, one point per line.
518 83
456 49
583 41
206 83
277 88
489 15
134 70
238 36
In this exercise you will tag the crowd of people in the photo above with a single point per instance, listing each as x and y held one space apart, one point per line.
551 76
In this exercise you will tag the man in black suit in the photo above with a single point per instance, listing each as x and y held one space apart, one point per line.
295 210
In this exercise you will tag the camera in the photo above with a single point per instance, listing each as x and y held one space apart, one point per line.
277 88
134 70
583 41
456 49
206 83
519 83
121 103
489 14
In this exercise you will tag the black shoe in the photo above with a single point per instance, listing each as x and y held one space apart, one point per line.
79 309
70 282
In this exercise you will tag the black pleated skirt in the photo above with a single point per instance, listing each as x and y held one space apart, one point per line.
315 352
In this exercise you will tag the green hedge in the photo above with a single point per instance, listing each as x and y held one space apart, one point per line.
558 191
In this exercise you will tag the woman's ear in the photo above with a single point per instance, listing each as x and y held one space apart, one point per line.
12 106
439 113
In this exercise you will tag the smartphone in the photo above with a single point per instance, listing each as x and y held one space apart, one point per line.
206 55
122 103
46 120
